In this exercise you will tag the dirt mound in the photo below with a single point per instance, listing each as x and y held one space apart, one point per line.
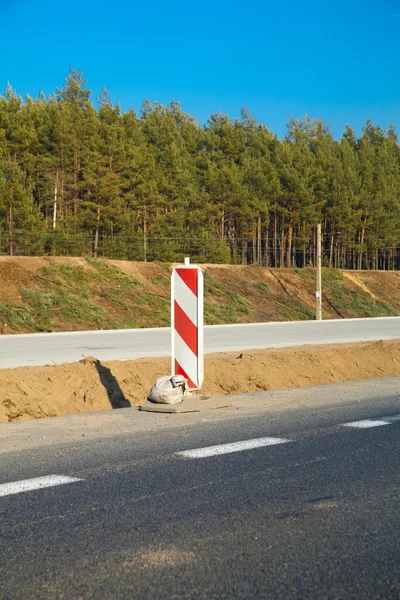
72 294
87 386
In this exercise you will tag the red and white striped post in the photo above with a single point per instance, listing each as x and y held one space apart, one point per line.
187 323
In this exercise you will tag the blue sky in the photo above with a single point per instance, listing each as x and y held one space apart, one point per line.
338 60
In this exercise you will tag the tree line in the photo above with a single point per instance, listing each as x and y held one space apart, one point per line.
76 179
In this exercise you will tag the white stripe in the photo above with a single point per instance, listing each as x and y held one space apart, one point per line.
186 358
27 485
234 447
186 299
393 418
366 424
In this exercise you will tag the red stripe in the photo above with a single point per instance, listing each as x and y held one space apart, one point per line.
189 276
180 371
185 328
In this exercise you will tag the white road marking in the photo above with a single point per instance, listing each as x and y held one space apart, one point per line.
233 447
393 418
27 485
366 424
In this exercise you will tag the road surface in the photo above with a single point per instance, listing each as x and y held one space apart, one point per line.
46 348
290 500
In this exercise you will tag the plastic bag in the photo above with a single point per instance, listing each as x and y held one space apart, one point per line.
169 390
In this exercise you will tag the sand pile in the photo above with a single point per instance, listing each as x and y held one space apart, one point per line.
87 386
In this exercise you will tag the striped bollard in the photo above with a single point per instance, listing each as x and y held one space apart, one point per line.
187 323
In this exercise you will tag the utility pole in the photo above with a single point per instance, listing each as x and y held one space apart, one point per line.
318 293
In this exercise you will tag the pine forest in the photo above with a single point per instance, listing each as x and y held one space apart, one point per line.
84 179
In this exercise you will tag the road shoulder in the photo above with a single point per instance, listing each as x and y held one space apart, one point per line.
65 430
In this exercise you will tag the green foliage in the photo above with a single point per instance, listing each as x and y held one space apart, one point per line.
17 317
296 313
70 307
305 273
330 277
263 287
357 303
374 285
76 180
291 309
215 314
78 295
107 273
161 281
221 304
97 295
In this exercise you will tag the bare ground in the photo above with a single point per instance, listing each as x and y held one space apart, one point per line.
71 294
89 386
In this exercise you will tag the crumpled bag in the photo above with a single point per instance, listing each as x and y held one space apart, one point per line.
169 390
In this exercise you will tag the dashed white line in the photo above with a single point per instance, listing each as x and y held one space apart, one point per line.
393 418
233 447
28 485
367 423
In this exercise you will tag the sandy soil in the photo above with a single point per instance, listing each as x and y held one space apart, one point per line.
88 386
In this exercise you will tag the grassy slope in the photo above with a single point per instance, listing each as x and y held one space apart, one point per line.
69 294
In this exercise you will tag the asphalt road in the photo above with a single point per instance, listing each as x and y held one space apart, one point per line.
316 515
44 348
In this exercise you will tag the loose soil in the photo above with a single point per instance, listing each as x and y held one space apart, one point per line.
88 386
70 294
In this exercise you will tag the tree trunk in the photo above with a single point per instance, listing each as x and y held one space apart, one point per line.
254 258
96 235
145 234
259 240
360 254
331 250
275 238
11 210
55 204
76 181
244 253
283 243
266 261
10 225
64 209
289 246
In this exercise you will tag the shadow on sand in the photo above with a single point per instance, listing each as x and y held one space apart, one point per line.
114 392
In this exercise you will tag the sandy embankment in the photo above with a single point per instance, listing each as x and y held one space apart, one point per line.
87 386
